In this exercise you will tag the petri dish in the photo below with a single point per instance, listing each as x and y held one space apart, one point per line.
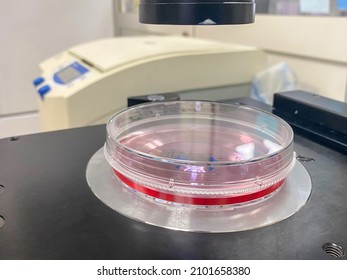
199 154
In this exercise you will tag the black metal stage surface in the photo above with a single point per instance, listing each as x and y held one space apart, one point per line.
51 213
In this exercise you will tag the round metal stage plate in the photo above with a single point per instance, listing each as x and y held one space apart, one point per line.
289 200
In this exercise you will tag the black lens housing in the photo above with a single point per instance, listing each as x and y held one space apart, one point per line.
196 12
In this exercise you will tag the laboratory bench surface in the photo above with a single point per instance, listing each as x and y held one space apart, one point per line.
51 213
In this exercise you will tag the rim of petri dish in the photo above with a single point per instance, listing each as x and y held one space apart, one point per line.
285 145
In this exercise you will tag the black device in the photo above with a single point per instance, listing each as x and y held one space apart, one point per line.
196 12
319 118
135 100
